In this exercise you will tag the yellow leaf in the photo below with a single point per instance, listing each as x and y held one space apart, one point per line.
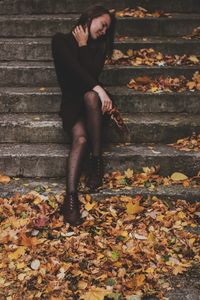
16 254
129 52
21 276
178 269
128 173
95 294
150 270
88 197
178 176
193 58
20 265
146 170
103 276
181 215
37 200
151 237
159 218
191 241
82 285
123 233
154 89
90 206
42 89
134 208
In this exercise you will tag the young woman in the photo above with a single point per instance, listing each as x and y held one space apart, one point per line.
79 57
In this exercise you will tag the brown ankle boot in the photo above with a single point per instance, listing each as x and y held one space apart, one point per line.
96 172
71 209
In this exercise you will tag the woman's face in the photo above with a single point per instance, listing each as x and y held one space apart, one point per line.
99 26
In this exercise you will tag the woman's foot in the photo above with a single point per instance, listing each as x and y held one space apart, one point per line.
96 171
71 209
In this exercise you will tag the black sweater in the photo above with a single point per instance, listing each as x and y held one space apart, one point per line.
77 69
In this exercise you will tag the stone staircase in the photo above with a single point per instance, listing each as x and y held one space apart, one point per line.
33 143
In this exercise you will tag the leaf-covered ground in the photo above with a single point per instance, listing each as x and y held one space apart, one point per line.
127 246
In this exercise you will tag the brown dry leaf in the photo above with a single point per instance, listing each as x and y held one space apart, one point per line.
134 208
4 179
139 279
95 294
140 12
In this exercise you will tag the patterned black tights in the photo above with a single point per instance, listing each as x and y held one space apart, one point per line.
85 137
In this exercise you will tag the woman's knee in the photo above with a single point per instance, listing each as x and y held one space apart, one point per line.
80 140
91 99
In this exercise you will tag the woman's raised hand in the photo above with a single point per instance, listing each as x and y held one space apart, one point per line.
81 35
105 99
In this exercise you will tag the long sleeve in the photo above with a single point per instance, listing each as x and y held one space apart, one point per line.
93 64
66 57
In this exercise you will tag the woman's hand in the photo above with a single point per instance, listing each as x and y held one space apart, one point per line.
81 35
105 99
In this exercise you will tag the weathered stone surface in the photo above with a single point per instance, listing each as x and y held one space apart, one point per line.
39 49
58 186
42 74
66 6
144 127
47 25
49 160
30 100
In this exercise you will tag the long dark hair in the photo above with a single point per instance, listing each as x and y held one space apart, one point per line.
106 41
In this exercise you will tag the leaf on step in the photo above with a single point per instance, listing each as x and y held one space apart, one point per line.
4 179
128 173
178 176
194 59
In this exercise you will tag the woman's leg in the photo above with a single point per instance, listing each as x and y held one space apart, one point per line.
94 127
71 205
76 155
94 121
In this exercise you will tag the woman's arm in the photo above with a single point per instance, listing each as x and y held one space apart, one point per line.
63 54
93 64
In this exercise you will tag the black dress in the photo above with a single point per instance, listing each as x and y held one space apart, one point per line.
77 69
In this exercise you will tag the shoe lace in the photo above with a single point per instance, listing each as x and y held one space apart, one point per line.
73 201
98 165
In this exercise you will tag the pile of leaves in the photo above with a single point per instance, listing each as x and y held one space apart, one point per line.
165 83
150 57
190 143
127 246
149 178
194 35
140 12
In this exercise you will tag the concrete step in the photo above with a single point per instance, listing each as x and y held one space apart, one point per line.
32 100
47 25
57 186
49 160
43 73
66 6
144 128
39 49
